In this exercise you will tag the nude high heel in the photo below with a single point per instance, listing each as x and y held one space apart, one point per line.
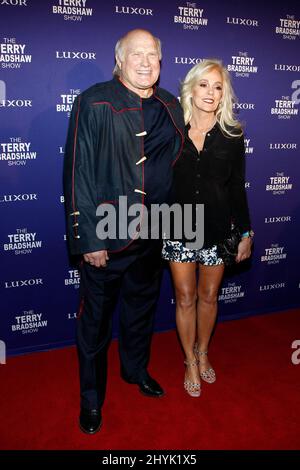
192 388
208 375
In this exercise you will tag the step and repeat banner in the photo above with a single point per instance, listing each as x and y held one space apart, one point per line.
50 51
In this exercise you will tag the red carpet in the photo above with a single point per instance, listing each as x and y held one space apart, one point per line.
255 403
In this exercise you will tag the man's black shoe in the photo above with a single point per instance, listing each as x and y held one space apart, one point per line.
151 388
90 421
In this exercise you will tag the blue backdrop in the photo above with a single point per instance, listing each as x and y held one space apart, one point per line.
50 51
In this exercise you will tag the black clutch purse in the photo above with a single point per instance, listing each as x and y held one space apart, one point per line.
228 248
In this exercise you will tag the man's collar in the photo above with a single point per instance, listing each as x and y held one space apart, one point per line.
131 94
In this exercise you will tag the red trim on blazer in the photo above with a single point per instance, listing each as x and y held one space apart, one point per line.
114 109
80 309
143 186
181 135
73 168
113 201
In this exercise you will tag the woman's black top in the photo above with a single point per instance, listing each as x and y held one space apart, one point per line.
214 177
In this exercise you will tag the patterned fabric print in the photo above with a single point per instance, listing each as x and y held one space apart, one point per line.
176 251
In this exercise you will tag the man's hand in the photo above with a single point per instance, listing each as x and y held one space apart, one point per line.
97 258
244 249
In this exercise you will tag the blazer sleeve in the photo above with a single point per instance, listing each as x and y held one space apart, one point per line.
80 188
237 192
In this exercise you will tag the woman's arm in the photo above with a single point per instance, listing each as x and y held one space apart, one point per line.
238 201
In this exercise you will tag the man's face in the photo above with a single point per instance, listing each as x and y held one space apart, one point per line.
140 65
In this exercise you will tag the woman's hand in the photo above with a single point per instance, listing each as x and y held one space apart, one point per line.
244 249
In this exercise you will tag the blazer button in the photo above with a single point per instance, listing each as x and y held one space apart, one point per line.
140 191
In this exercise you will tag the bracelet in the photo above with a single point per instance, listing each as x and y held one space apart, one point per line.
248 234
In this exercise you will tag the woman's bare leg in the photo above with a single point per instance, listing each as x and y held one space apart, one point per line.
208 286
185 283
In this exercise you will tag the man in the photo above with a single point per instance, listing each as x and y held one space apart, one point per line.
124 136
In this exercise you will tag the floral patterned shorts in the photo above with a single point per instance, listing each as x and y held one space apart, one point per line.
176 251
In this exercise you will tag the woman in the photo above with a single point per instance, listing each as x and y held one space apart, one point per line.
210 172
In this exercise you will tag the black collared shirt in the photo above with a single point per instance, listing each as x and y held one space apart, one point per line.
214 177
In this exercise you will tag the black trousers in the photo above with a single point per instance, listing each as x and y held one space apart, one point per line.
135 274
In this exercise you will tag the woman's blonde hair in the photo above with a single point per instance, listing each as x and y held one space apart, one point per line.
224 114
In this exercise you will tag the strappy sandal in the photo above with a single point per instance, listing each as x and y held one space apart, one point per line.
192 388
208 375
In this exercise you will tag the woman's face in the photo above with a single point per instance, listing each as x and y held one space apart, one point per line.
207 92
